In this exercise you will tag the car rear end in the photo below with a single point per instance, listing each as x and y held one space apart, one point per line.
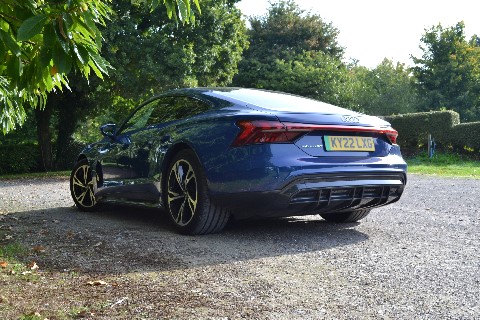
292 162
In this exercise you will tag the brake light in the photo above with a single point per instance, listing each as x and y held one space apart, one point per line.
392 135
261 131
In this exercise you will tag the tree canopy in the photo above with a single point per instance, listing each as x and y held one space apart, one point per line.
151 54
385 90
41 42
293 51
448 73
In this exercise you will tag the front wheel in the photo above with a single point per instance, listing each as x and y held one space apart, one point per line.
351 216
81 186
187 199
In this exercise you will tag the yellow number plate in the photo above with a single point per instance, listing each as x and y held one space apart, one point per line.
347 143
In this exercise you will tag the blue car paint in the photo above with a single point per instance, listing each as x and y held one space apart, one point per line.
245 172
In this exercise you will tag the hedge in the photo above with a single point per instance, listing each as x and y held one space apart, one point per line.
466 135
19 158
444 126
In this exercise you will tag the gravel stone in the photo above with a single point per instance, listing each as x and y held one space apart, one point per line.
417 258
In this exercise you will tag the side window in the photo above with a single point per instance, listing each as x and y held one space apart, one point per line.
176 108
141 117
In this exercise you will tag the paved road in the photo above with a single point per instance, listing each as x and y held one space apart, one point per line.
418 258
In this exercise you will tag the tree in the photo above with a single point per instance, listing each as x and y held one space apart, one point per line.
448 73
42 41
149 54
287 30
387 89
295 52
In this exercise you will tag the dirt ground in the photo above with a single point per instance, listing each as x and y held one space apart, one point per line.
418 258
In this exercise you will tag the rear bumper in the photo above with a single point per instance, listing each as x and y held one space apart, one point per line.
312 194
273 180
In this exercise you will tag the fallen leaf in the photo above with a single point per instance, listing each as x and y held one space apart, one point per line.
3 264
32 265
84 313
97 244
96 283
38 249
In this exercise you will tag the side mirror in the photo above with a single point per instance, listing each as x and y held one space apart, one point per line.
109 130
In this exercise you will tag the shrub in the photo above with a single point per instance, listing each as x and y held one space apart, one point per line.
466 136
19 158
444 126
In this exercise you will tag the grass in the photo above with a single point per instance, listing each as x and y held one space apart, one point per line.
12 251
35 175
446 165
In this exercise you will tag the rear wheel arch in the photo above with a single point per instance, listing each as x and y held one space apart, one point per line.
167 159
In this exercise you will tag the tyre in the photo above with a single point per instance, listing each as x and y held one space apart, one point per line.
187 200
81 186
351 216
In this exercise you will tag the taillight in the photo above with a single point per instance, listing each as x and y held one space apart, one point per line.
392 135
261 131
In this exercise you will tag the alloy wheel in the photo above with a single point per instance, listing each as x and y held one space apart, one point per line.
82 186
182 192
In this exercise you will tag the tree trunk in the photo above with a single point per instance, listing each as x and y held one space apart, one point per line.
44 136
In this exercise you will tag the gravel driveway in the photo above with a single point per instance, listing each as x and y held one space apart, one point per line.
417 258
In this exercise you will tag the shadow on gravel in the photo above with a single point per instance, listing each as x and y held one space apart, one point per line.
120 240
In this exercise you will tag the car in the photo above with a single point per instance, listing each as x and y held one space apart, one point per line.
206 155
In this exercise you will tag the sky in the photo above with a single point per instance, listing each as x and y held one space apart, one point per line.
372 30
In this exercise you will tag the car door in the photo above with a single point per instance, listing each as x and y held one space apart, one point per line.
126 161
131 169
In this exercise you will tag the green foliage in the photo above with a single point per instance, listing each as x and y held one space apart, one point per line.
448 73
295 52
286 30
152 54
466 136
42 41
388 89
18 158
12 251
176 9
444 126
311 74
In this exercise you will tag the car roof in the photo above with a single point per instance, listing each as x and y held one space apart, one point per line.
265 99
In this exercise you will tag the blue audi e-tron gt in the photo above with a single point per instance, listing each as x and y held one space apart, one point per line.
207 154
